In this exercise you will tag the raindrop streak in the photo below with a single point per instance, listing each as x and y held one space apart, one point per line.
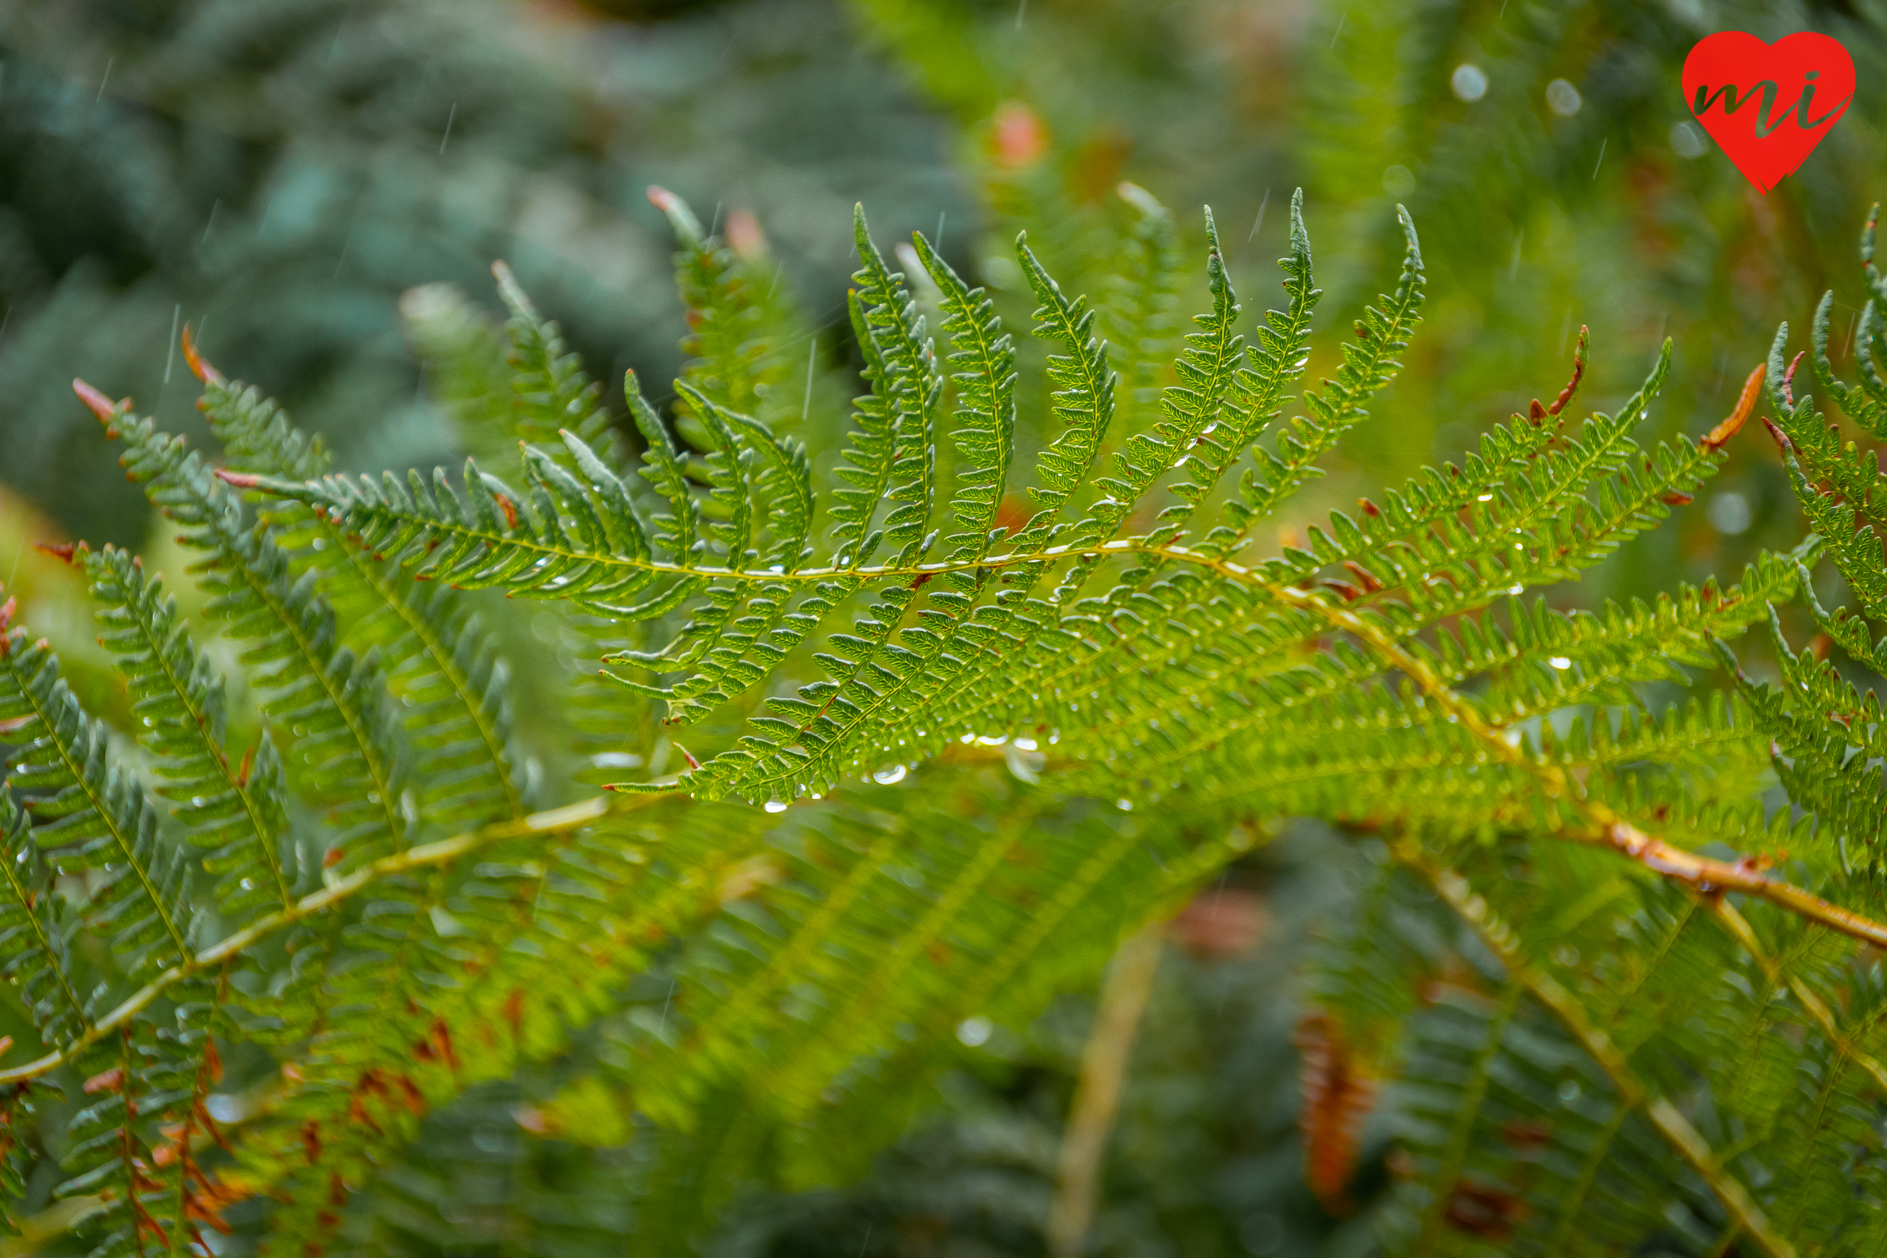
1022 11
170 357
450 115
266 211
938 243
1260 220
1844 349
1513 268
1339 31
663 1024
1597 164
214 207
106 79
1565 330
812 352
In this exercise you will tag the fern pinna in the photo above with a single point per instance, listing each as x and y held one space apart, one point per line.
1028 686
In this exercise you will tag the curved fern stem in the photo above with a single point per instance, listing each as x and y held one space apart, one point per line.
1605 828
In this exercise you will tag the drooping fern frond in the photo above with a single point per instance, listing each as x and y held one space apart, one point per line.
1009 752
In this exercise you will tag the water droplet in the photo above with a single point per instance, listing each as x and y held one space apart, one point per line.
1125 805
890 776
1563 98
1560 662
974 1032
1469 82
776 805
1569 1091
1729 512
1687 141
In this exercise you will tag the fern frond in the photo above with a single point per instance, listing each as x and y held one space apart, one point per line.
1141 303
462 352
434 654
1213 390
851 925
1368 365
1582 1104
350 750
238 812
91 813
738 317
1573 996
36 939
549 390
1081 395
1279 352
985 379
907 387
1535 506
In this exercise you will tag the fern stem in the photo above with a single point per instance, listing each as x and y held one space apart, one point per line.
1673 1126
1709 877
445 851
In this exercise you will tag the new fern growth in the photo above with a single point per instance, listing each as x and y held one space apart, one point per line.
1026 704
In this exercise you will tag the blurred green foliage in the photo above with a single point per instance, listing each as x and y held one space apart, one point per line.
274 173
277 172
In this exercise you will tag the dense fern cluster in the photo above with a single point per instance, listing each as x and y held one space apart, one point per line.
1006 683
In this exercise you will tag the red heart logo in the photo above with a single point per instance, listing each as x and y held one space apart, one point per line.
1768 105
